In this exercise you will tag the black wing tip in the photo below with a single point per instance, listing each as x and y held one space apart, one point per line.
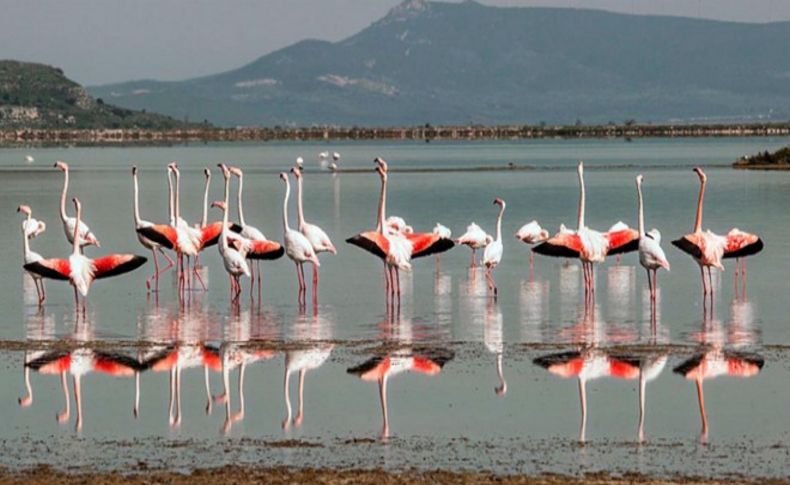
547 361
629 247
689 365
155 236
366 366
441 245
236 228
367 245
44 271
548 249
45 359
270 256
687 247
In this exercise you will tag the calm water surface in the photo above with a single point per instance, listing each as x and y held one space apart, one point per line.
470 383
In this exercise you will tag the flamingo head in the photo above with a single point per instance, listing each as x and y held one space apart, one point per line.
219 204
236 171
77 205
580 168
299 161
62 165
284 176
297 171
24 209
382 173
335 156
207 172
333 167
225 170
134 170
174 167
499 202
639 179
381 163
700 174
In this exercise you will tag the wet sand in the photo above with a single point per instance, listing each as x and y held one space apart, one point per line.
231 475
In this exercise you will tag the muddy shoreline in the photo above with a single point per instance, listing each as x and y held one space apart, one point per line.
282 475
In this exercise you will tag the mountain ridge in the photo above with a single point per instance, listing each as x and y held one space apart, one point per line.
443 63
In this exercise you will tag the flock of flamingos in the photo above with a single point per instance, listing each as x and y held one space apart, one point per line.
242 246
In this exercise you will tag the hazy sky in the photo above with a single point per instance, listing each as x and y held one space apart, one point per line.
103 41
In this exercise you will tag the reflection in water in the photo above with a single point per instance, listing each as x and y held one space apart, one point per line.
39 327
492 337
569 290
722 354
308 331
382 367
533 303
620 280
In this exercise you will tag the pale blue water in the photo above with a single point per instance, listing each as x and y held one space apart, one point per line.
453 419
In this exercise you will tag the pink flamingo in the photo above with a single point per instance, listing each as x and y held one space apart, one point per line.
82 271
147 242
708 248
297 247
586 244
86 237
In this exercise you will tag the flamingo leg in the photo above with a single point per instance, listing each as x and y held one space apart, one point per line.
197 273
258 264
78 401
208 389
300 413
315 284
240 415
299 284
304 284
385 430
397 282
650 286
252 277
28 399
655 285
64 415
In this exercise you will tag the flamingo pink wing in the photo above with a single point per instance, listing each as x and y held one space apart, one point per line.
211 359
740 244
424 244
115 364
623 241
564 245
56 269
424 365
116 264
623 370
267 250
162 234
373 369
373 242
209 234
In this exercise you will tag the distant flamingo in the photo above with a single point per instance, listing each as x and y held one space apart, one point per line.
531 233
81 271
258 247
651 256
297 247
317 237
86 237
588 245
147 242
476 238
30 229
708 248
741 244
493 253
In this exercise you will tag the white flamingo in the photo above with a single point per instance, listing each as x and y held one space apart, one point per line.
297 247
493 253
30 229
476 238
651 256
86 237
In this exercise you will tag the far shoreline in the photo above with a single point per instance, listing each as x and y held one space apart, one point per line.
427 133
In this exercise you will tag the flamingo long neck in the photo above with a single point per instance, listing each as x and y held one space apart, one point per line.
698 221
63 215
641 210
223 236
285 204
499 223
177 197
204 221
170 205
241 207
299 206
136 201
25 242
76 248
581 201
382 205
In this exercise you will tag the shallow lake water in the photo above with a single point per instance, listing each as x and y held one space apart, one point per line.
469 382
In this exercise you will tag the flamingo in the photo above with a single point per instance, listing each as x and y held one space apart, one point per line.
234 260
336 156
86 237
396 248
314 234
651 256
588 245
739 245
81 271
618 226
297 246
708 248
257 245
300 162
531 233
381 368
476 238
493 252
147 242
30 229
